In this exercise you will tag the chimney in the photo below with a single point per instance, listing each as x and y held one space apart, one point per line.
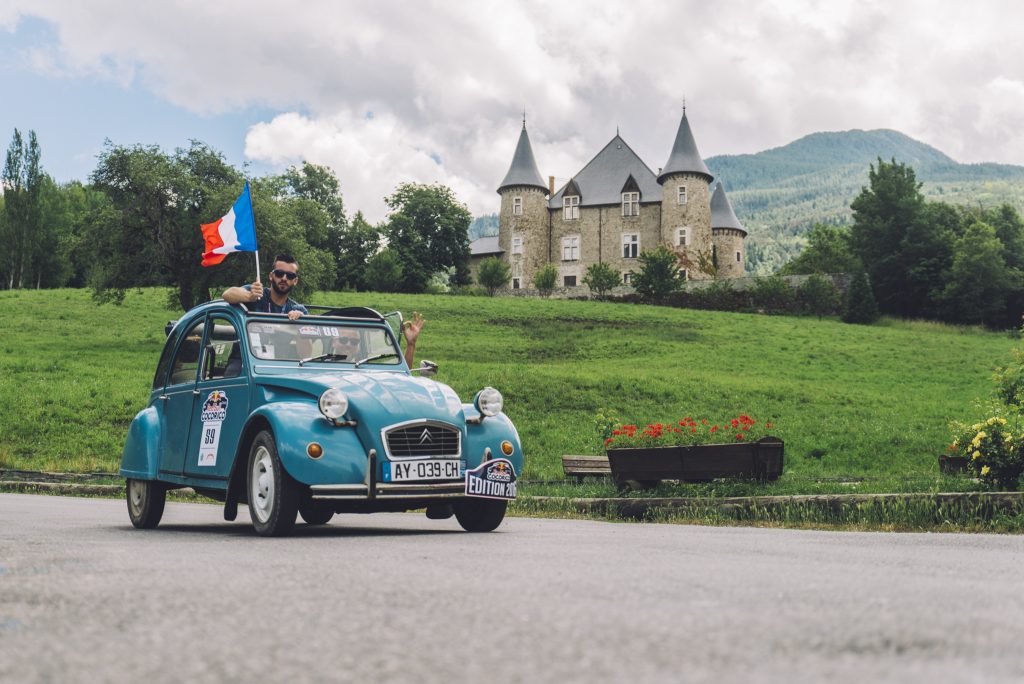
551 185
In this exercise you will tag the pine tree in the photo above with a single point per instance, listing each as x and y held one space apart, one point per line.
861 306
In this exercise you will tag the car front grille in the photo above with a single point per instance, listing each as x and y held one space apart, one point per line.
423 440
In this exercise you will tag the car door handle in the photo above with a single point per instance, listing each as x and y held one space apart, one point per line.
163 397
196 392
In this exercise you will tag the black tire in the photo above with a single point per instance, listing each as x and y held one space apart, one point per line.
480 515
146 499
314 512
273 495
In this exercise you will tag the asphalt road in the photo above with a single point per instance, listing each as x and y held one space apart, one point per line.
84 597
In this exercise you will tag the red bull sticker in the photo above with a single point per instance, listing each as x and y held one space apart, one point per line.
215 411
494 479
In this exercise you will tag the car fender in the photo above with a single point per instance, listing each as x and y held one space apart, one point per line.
140 459
295 425
489 433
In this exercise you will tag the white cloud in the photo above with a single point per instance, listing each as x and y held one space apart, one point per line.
449 79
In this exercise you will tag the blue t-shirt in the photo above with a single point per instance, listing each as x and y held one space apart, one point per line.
266 305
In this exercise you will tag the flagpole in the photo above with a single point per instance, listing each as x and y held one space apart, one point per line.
253 228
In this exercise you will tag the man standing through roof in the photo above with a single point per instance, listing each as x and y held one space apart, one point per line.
284 275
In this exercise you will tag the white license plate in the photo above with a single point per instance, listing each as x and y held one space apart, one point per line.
422 471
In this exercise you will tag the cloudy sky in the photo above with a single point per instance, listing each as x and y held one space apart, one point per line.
385 92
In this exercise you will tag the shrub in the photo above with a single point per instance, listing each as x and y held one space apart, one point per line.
718 296
994 454
545 280
860 306
493 274
468 291
601 278
659 274
1010 382
772 294
384 271
817 296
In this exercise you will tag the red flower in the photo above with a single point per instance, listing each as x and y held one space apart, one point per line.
714 428
693 429
769 426
703 421
735 423
609 441
739 436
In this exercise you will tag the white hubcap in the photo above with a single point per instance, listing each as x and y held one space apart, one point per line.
137 492
261 484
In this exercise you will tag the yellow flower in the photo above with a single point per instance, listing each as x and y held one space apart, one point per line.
956 443
976 426
976 455
984 470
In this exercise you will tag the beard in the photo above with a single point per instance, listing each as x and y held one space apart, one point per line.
281 287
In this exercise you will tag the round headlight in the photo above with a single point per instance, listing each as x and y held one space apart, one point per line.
488 401
333 403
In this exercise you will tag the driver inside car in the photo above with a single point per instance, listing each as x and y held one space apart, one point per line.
346 345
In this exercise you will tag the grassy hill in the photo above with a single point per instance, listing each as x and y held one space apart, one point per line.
780 193
850 401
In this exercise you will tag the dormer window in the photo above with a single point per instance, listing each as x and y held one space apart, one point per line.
570 208
631 204
517 206
682 194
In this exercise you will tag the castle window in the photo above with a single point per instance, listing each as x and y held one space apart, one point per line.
682 194
517 206
626 277
515 283
630 245
571 248
517 269
517 244
631 204
738 258
569 281
682 274
570 208
682 237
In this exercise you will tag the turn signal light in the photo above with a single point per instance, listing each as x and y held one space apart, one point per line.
314 450
507 448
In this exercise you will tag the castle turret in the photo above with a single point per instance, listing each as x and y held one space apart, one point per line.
727 235
686 203
522 221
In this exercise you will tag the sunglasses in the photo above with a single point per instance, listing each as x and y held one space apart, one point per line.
285 274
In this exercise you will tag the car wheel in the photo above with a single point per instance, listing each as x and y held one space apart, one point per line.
146 500
480 515
273 496
315 513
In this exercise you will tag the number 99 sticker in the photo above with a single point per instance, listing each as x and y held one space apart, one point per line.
215 410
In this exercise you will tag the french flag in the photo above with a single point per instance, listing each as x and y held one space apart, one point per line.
234 232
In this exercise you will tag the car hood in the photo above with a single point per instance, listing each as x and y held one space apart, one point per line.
377 398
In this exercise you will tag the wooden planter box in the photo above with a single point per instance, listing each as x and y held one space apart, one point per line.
760 460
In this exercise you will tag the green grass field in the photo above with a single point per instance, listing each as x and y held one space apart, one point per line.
849 401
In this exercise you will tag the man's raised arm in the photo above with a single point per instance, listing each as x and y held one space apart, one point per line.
240 295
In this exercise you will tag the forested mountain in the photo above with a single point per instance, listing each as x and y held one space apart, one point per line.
780 193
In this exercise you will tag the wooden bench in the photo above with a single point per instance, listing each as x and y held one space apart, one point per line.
580 467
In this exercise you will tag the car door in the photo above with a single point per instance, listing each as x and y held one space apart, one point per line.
222 401
179 399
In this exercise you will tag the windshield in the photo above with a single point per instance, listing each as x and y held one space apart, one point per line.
298 340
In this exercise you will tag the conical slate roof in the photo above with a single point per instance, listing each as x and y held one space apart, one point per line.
722 215
524 167
684 157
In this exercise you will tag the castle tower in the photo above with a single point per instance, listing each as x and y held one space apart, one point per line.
728 236
522 220
686 202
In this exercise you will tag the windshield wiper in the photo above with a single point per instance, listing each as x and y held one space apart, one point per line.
325 357
374 358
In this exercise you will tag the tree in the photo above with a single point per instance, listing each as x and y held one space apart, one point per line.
545 278
356 245
979 280
860 305
22 189
882 216
384 271
818 296
148 233
428 229
827 251
494 274
601 278
659 274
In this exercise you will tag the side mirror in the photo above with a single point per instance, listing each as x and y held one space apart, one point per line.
427 369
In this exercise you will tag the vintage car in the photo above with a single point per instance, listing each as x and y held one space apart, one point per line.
314 416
